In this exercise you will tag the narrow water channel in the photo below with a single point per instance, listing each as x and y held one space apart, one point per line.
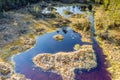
46 44
100 72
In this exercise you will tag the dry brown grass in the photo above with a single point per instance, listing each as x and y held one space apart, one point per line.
64 63
81 25
107 21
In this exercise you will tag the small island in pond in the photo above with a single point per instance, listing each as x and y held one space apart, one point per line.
58 37
64 63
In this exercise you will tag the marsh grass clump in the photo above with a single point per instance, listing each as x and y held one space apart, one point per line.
36 8
5 68
66 12
58 37
61 22
78 16
76 47
83 25
80 21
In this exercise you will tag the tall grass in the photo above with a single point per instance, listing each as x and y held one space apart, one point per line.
107 26
107 17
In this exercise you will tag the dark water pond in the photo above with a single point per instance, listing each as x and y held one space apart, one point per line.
46 44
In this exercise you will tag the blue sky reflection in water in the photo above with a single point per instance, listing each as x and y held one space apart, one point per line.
46 44
75 9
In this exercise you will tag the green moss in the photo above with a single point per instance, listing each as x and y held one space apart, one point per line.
76 46
36 8
67 12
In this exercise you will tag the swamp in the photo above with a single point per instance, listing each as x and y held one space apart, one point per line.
59 39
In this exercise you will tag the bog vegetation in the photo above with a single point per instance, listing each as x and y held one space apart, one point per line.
107 26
